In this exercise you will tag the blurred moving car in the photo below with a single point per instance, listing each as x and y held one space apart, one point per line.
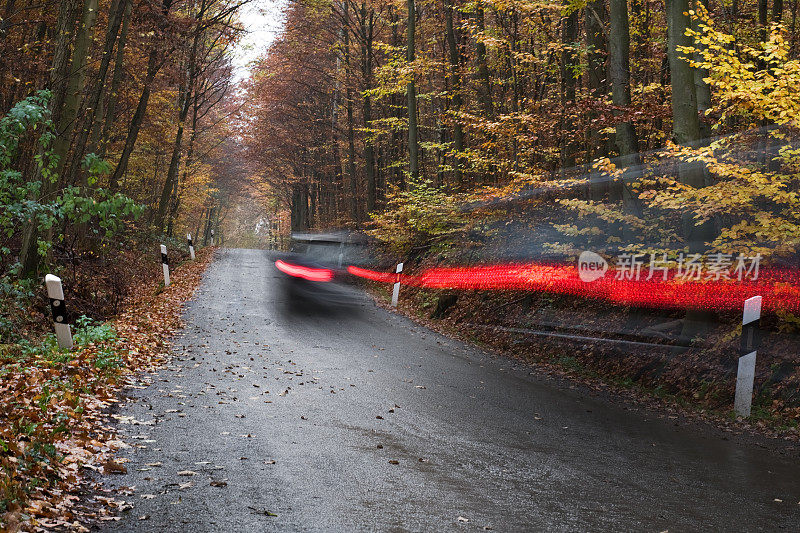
315 268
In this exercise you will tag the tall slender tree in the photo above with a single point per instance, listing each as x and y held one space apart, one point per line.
411 94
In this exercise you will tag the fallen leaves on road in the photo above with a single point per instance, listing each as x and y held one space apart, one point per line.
261 511
54 427
113 467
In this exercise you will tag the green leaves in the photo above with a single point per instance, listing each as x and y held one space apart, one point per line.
21 200
108 210
95 167
419 216
30 113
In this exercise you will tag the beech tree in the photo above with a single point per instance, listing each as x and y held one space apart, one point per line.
110 68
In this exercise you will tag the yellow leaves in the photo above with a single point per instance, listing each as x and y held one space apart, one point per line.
572 230
740 88
606 166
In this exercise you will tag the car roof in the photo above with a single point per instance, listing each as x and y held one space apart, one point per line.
332 237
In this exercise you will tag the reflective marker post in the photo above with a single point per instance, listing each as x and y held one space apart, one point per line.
191 246
747 356
165 265
212 237
60 318
396 291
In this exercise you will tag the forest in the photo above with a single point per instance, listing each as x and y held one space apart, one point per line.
114 132
361 109
123 123
452 132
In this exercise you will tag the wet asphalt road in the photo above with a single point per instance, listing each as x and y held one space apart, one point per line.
301 416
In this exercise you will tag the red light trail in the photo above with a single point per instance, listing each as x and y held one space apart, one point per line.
308 273
779 288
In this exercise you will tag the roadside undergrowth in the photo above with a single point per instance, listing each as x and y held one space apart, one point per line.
54 431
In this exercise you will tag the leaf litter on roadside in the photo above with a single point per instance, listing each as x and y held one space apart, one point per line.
63 402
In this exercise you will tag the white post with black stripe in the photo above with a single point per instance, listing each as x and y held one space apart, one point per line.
191 246
747 356
396 290
60 318
212 237
165 265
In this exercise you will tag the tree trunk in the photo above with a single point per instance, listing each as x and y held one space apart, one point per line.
625 135
569 33
793 30
411 94
59 80
209 225
397 149
702 88
153 66
619 70
101 141
172 173
170 182
485 93
199 225
93 107
136 122
175 200
455 87
299 207
77 78
685 123
369 143
594 15
686 131
777 10
351 144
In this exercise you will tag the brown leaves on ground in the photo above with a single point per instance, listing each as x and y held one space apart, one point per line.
53 413
113 467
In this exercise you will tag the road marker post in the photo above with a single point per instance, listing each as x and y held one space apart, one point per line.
751 337
396 290
191 246
60 317
212 237
165 265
